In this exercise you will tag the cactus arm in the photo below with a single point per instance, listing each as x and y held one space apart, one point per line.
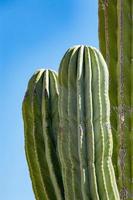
83 93
89 127
109 171
118 55
50 129
63 130
31 154
125 21
41 130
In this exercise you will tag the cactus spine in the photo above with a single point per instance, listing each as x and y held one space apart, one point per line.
116 45
40 114
85 140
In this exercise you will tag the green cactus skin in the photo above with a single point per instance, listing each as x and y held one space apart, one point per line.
85 140
40 114
116 45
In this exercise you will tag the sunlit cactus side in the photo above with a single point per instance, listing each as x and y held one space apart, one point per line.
85 139
40 114
116 45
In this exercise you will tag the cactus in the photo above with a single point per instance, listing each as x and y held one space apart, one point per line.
40 114
85 139
116 45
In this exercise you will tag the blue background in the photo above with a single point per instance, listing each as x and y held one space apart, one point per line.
33 34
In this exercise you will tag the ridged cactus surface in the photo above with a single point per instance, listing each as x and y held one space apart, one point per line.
40 114
116 45
85 138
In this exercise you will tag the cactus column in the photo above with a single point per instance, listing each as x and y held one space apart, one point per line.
40 114
116 45
85 140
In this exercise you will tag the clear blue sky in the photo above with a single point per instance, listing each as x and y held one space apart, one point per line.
33 34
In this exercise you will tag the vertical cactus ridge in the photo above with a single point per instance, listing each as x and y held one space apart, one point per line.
67 149
125 40
131 113
117 49
106 127
31 154
89 125
72 124
83 80
63 124
107 20
98 129
81 126
40 138
50 129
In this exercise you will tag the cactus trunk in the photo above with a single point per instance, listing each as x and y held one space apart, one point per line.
85 139
116 45
40 114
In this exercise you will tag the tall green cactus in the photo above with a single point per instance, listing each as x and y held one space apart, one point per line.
85 139
40 114
116 45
